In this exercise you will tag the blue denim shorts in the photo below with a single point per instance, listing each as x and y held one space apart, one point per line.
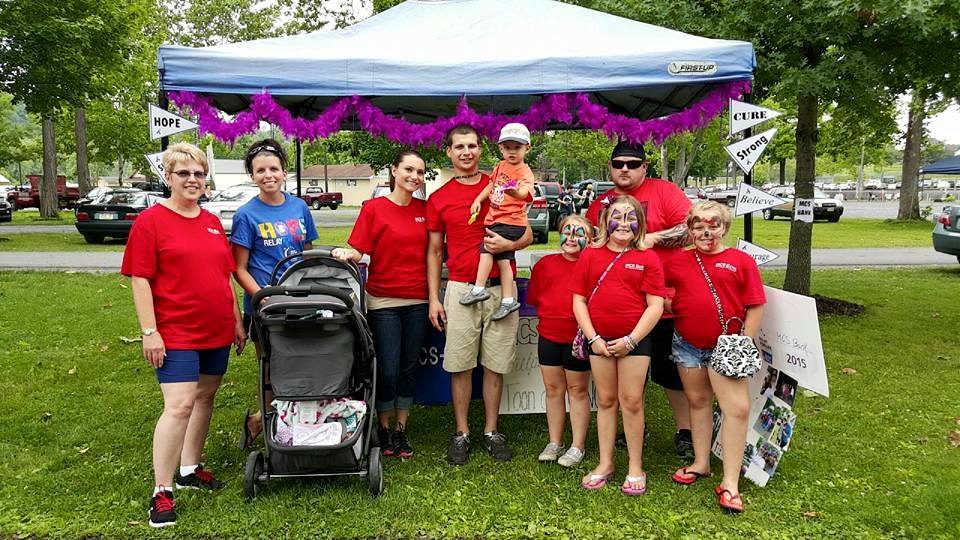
184 365
688 356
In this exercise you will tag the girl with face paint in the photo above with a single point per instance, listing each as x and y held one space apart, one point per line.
564 376
739 287
618 296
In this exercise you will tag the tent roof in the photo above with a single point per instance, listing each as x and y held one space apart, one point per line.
417 58
950 165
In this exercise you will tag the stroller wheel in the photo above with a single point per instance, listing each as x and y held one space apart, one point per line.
375 472
252 474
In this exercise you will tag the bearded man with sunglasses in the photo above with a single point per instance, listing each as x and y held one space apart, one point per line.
666 208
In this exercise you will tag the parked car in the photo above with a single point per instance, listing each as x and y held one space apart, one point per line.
29 196
552 190
225 204
694 194
727 196
824 207
6 211
112 215
872 183
316 198
946 231
95 194
538 215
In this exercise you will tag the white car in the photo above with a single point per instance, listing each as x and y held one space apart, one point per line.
225 203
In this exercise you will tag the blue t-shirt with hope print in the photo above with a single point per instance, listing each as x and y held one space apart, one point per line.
271 233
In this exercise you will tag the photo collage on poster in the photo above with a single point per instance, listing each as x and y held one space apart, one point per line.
770 423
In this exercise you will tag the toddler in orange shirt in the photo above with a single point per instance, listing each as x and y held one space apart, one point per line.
511 183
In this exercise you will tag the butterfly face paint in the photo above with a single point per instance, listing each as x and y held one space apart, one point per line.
574 233
617 217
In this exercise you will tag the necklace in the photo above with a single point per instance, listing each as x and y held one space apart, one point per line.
465 176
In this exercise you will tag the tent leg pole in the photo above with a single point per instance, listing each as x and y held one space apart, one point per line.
163 102
299 147
748 178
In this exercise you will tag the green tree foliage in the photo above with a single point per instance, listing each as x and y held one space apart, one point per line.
57 54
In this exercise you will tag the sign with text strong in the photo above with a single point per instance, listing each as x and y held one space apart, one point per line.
747 152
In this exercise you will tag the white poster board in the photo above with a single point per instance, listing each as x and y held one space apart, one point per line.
792 355
164 123
751 199
744 115
523 390
745 153
803 210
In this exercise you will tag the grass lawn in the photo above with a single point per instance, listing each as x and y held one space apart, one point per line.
851 233
872 461
74 241
29 217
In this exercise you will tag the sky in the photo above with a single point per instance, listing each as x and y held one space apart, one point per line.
946 125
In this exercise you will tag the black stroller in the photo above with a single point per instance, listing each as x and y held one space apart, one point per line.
317 346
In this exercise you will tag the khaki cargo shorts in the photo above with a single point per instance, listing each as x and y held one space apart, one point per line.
470 332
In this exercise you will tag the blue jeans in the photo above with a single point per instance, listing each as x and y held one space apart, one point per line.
688 356
398 334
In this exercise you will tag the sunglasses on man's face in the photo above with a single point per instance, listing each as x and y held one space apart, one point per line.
618 164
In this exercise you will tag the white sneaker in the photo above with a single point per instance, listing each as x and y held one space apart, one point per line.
571 458
551 452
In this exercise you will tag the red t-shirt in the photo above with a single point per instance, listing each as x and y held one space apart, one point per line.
664 203
549 291
396 238
621 299
188 263
735 276
448 210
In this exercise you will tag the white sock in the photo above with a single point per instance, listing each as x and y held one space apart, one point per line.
156 489
476 290
507 300
187 470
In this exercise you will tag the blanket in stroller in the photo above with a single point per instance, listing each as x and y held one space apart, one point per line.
324 422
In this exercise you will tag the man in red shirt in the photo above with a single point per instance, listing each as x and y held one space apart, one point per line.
666 209
469 330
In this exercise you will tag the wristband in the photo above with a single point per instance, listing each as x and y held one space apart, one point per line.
594 338
630 342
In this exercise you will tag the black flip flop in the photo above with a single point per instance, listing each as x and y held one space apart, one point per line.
247 438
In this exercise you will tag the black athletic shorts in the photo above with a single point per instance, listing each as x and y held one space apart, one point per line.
248 326
551 353
510 232
663 370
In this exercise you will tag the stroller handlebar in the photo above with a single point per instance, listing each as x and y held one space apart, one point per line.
302 291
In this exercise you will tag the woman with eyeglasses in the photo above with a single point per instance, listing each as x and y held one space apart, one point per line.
266 229
179 263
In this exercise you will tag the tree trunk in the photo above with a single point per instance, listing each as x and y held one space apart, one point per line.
83 167
863 144
783 171
664 156
49 205
909 189
120 164
679 166
798 257
683 163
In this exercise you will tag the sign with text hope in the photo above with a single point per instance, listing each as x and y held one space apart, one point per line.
744 115
747 152
164 123
789 339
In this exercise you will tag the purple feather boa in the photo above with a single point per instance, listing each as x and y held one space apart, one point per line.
573 109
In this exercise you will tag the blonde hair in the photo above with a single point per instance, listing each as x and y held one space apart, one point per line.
181 153
577 218
601 230
720 210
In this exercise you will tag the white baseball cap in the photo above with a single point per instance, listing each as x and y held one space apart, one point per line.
515 131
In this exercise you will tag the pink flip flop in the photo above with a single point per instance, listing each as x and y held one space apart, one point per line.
596 481
627 489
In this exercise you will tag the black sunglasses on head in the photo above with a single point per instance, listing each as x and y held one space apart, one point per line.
263 148
618 164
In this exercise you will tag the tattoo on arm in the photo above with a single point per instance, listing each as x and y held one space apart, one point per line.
674 237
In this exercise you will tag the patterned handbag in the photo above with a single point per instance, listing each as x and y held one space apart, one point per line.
579 344
735 355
